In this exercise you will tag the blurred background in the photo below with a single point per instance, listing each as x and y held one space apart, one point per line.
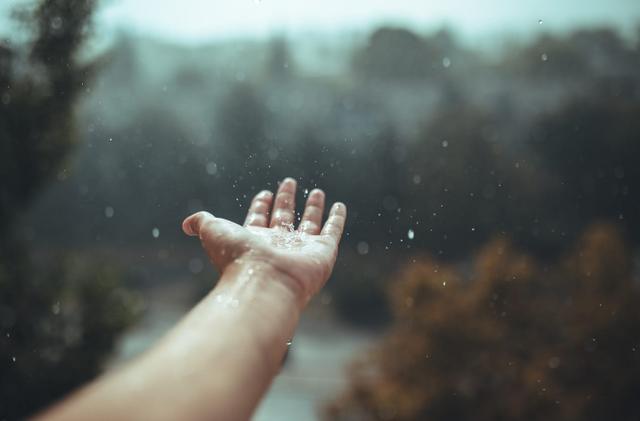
488 152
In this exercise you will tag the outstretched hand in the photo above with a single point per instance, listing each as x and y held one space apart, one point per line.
305 255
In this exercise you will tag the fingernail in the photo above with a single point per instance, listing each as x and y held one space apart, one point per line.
186 227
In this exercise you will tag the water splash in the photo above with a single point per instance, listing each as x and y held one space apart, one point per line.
287 239
227 300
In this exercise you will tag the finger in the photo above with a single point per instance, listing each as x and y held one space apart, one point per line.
312 217
193 224
285 203
208 227
258 215
335 223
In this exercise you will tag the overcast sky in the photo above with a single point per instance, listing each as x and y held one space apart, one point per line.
198 20
204 20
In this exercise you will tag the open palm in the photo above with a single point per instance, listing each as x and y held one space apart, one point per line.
306 254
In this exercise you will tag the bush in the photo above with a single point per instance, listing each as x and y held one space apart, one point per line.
516 339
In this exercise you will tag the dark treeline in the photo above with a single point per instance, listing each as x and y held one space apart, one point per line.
59 319
434 147
490 145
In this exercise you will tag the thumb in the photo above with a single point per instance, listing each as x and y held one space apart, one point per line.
193 224
223 240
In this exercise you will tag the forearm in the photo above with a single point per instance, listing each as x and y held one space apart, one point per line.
215 364
219 361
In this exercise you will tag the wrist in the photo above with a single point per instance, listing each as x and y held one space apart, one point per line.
259 275
262 304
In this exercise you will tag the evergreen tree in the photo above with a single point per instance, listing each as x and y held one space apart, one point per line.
59 322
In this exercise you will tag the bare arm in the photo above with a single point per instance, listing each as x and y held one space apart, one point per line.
220 359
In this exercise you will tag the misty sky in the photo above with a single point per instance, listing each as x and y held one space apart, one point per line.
203 20
198 20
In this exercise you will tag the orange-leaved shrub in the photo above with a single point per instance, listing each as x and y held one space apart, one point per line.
507 338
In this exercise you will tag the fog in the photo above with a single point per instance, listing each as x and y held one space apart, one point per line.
487 152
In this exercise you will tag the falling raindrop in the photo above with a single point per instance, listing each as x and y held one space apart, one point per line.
195 265
445 143
540 22
212 168
108 212
544 57
155 232
363 248
411 234
56 23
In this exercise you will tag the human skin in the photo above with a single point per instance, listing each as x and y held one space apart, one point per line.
219 361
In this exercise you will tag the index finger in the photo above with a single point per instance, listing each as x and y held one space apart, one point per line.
335 223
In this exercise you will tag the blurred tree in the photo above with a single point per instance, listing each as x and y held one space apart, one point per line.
606 52
58 323
591 146
548 58
241 120
385 179
242 125
461 178
358 284
311 157
515 341
280 65
393 53
581 56
36 134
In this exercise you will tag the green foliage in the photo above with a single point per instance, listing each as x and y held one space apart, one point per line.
58 320
58 324
37 133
